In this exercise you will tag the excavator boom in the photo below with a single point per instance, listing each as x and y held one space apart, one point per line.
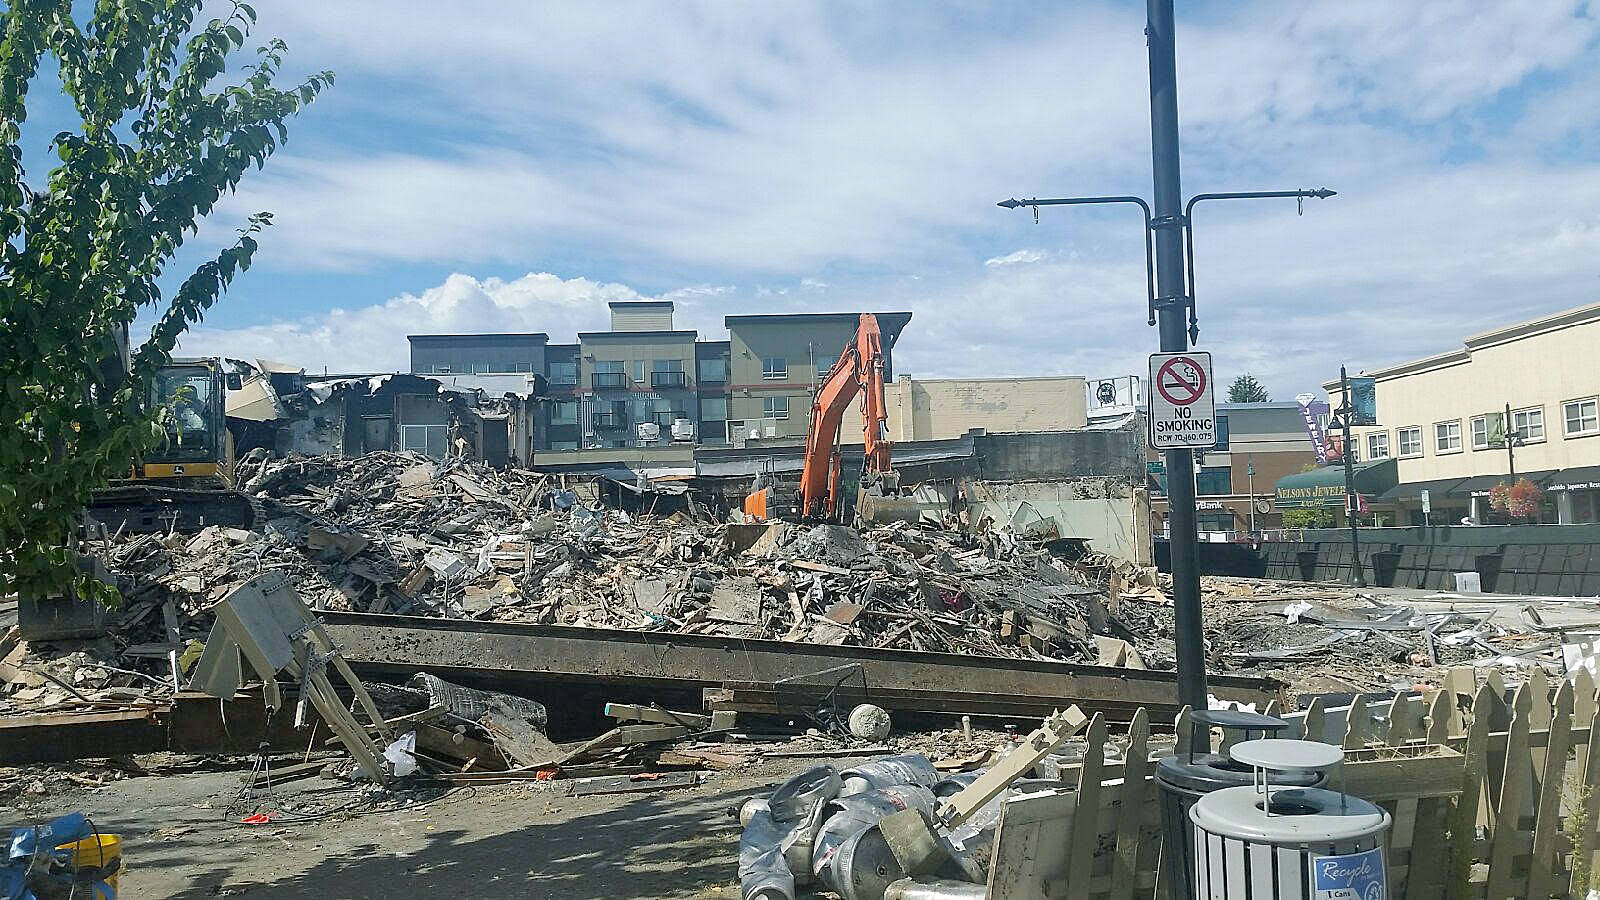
859 370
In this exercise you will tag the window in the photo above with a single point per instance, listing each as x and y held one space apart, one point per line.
668 373
825 365
564 373
775 407
1213 481
608 373
638 370
774 368
1447 437
1378 445
1582 416
714 371
565 412
1410 441
563 445
1480 432
1213 520
1528 424
434 440
713 409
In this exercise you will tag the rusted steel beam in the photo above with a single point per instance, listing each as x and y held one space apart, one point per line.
188 723
505 654
61 736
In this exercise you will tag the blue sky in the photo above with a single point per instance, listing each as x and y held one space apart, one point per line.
506 166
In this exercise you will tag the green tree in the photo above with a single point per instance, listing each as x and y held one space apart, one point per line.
1246 389
1309 518
164 134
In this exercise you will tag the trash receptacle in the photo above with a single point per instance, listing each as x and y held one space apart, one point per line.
1268 842
1184 778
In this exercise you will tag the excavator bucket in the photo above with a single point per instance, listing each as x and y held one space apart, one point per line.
878 508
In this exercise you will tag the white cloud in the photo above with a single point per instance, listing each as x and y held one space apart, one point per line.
373 338
786 147
1019 257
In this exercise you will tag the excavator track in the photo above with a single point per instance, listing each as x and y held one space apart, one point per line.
150 508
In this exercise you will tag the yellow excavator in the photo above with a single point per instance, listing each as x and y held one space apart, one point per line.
186 482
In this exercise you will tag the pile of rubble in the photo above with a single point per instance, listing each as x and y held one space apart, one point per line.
402 533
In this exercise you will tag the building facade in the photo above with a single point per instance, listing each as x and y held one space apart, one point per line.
1257 444
1445 418
938 408
644 371
477 354
776 363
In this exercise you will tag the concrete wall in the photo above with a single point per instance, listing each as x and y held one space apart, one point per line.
1108 511
932 409
1543 363
319 433
1063 454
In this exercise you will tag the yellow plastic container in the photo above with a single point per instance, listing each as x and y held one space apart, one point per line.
97 852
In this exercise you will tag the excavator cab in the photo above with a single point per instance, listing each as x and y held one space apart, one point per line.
768 500
188 396
185 482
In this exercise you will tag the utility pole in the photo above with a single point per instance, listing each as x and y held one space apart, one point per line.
1351 503
1172 302
1511 453
1250 472
1169 281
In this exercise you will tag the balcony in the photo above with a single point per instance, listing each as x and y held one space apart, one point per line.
609 420
678 380
610 380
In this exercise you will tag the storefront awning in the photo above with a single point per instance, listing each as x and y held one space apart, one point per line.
1324 488
1581 478
1412 490
1479 485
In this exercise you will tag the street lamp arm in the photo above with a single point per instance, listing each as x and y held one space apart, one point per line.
1188 224
1149 247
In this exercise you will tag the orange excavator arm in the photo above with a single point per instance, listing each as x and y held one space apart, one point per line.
859 369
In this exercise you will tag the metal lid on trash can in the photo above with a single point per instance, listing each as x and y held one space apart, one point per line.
1237 718
1297 815
1285 755
1203 772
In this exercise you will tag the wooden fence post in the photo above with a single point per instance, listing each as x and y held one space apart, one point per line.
1464 826
1543 869
1514 785
1130 820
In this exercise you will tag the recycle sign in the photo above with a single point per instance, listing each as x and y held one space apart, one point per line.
1182 406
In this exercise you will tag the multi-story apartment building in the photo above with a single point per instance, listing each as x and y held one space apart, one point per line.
1444 419
776 362
644 370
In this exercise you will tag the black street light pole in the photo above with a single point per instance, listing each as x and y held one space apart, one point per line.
1352 505
1171 303
1511 453
1169 282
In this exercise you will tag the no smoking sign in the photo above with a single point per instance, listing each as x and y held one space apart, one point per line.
1183 410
